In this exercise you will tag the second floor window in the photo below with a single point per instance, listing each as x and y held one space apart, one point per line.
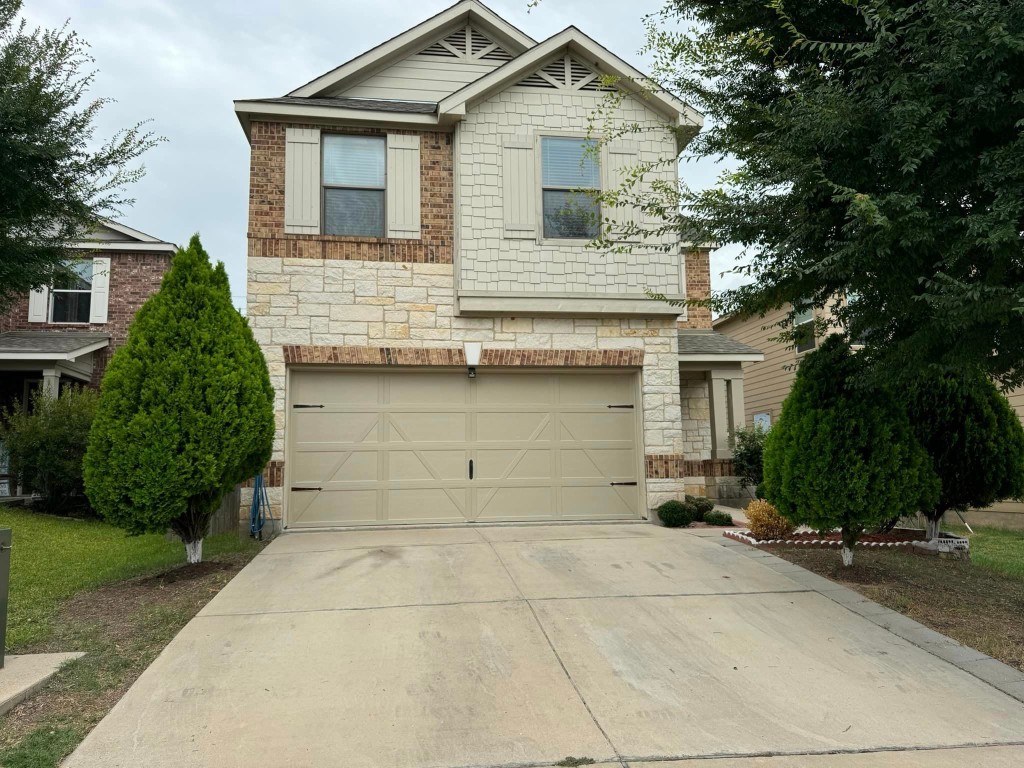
353 185
71 298
570 178
803 323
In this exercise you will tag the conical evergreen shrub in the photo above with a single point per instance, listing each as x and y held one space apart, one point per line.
186 408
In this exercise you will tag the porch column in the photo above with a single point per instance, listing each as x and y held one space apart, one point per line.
725 387
51 382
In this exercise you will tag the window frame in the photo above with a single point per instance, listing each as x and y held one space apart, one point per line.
798 324
51 303
539 149
324 186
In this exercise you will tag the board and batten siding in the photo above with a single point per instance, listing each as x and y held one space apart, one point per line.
403 185
419 78
302 181
500 224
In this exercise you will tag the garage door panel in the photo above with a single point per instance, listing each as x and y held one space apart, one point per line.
427 465
438 389
508 427
425 427
519 503
601 426
594 501
322 387
318 468
354 507
333 427
427 505
598 464
595 389
504 390
515 464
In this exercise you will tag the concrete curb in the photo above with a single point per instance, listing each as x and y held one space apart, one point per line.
23 675
992 671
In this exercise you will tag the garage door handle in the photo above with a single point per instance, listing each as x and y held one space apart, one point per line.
470 469
633 483
294 488
304 405
621 406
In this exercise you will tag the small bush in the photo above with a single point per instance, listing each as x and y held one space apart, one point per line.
675 514
766 522
46 446
700 506
748 454
714 517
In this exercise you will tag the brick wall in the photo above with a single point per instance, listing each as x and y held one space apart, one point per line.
267 237
698 286
134 277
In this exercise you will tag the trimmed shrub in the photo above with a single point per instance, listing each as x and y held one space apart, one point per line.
699 506
186 410
766 523
748 454
714 517
973 437
843 454
675 514
46 446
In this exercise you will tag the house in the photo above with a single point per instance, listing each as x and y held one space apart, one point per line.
65 334
444 342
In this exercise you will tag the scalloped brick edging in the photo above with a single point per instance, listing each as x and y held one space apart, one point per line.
748 538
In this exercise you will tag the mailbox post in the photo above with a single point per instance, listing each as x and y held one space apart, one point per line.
5 581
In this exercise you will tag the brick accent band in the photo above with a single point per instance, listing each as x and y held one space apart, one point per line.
664 466
454 357
273 475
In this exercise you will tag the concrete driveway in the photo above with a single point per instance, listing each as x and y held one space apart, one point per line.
519 646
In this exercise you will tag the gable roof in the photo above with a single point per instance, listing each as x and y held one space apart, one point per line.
114 236
412 40
587 49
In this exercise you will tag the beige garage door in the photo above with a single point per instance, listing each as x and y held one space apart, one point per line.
367 447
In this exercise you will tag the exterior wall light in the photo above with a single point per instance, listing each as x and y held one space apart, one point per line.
472 350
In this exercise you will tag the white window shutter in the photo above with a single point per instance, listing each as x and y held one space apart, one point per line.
38 305
519 189
302 181
622 157
100 289
403 186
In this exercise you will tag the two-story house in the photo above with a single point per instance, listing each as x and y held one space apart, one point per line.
65 334
444 342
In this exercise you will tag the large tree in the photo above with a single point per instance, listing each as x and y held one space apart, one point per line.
57 178
879 153
186 408
974 439
843 454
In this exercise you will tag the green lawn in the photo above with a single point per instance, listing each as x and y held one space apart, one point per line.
999 551
54 558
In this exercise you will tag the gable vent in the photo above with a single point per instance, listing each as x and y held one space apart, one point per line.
467 43
565 73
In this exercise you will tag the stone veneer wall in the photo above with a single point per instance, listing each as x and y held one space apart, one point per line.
380 304
491 262
696 423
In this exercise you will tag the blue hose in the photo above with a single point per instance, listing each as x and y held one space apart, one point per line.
260 509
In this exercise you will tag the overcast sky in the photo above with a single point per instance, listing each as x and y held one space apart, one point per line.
180 63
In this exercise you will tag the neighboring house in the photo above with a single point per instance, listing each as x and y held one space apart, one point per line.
415 209
65 334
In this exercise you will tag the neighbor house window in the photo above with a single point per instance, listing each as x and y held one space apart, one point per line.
570 180
71 296
354 183
803 324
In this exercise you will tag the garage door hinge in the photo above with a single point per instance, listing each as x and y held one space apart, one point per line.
303 405
296 488
621 406
633 483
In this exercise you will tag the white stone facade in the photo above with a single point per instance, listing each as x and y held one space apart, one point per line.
488 261
380 304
